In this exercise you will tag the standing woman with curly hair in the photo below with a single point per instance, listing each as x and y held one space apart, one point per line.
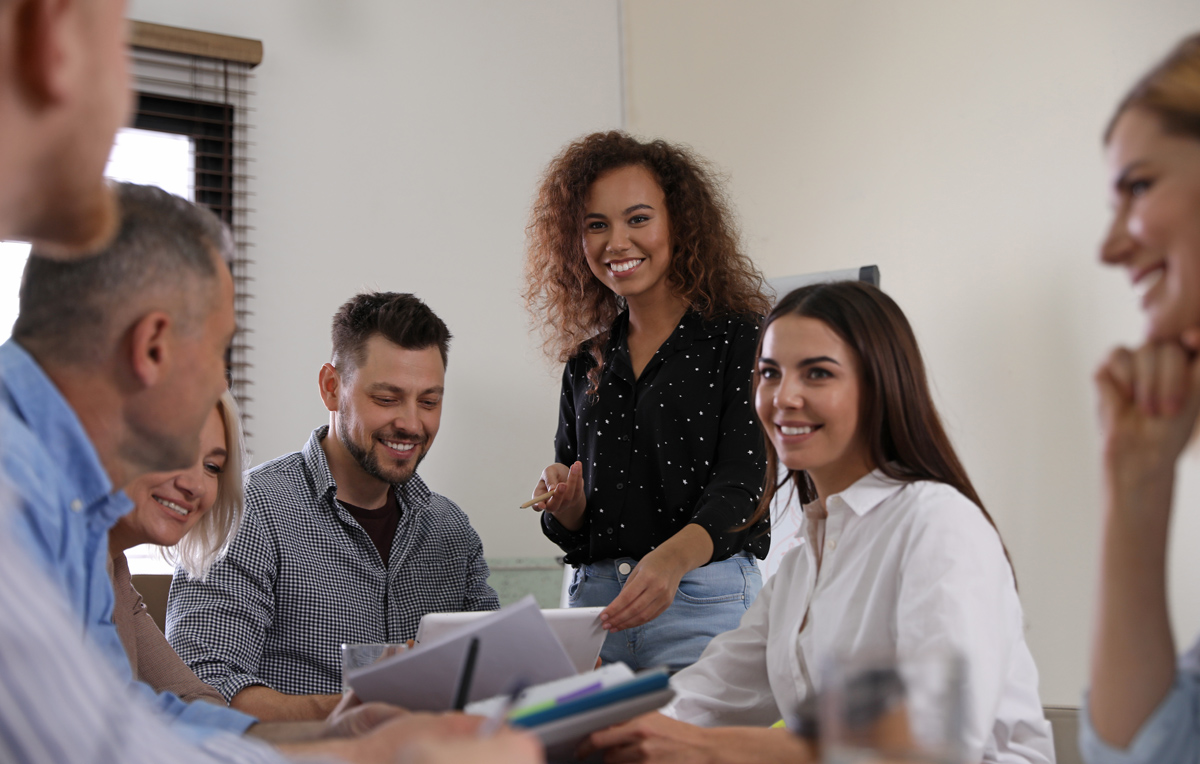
634 272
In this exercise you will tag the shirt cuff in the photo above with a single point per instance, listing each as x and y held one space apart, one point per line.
235 683
558 533
717 516
215 718
194 721
1169 734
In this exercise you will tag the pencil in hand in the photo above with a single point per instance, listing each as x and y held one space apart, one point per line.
536 499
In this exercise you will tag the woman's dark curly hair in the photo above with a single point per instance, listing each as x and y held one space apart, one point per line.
707 268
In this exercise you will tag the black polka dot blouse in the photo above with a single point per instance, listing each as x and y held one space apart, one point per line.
680 444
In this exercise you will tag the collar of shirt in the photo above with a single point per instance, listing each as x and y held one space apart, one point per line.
863 495
691 328
412 494
38 403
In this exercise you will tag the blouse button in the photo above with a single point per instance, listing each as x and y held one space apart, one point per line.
624 568
831 545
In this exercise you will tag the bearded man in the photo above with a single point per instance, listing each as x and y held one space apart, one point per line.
342 541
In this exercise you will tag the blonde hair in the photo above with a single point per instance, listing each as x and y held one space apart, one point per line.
1169 91
212 534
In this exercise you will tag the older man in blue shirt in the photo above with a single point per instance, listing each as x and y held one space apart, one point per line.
114 363
71 443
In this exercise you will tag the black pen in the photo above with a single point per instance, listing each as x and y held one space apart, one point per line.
468 673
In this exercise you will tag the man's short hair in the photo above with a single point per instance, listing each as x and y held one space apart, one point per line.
402 319
74 309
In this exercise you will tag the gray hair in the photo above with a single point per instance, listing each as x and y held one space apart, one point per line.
212 534
75 310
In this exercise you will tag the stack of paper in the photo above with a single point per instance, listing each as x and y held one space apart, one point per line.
515 644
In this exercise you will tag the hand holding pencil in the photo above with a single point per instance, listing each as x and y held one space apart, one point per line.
537 500
560 492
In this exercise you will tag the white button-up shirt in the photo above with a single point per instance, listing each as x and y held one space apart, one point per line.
785 527
908 570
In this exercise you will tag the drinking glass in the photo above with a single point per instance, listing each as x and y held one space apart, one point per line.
359 654
873 709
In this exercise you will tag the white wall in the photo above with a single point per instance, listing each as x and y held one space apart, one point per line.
957 146
398 146
954 144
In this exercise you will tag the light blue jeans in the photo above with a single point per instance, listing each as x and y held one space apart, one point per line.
710 600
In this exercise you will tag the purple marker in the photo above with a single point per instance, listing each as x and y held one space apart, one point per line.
580 692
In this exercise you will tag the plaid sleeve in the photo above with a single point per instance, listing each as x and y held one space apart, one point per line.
219 625
478 595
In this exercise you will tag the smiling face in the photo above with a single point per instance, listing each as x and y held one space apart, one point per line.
808 401
167 507
627 234
389 409
1155 232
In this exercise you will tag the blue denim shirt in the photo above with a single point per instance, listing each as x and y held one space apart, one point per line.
1170 734
67 505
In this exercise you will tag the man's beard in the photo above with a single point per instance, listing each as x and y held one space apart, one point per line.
369 462
81 221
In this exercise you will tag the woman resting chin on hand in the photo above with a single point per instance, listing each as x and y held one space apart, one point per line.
1142 700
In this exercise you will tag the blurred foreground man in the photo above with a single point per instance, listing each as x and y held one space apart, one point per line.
63 93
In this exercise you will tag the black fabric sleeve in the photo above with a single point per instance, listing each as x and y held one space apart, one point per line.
566 451
733 491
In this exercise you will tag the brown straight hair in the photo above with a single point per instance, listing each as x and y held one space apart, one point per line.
896 411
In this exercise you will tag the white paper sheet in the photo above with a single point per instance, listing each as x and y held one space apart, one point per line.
514 643
577 628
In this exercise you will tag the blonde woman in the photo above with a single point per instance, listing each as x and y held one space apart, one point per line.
193 514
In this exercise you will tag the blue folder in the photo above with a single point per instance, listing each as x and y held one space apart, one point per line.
641 684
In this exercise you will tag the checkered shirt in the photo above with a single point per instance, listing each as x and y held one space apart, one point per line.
302 577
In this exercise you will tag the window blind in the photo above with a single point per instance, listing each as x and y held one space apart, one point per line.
200 85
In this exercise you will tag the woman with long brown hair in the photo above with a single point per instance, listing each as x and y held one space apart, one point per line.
635 274
899 559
